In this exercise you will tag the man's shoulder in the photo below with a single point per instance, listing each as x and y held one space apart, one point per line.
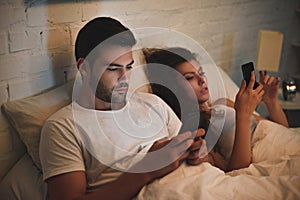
144 97
63 113
58 123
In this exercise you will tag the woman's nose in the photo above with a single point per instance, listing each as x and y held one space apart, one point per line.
201 80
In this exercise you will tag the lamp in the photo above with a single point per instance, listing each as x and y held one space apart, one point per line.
269 50
268 59
289 89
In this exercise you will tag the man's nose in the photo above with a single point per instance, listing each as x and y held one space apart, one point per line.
124 75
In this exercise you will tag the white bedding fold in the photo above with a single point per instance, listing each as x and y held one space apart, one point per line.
274 173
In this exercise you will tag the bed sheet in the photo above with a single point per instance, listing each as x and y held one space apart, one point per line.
274 173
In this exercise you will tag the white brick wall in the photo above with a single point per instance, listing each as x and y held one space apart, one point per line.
4 43
10 67
38 40
57 37
37 16
64 12
3 92
11 15
23 40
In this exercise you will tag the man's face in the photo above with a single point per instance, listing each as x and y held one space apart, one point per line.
111 72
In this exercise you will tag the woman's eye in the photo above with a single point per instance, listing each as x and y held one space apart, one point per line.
189 77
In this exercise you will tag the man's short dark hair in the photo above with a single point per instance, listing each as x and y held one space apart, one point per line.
99 30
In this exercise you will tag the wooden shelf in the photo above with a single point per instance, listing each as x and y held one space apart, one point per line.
296 76
289 105
296 44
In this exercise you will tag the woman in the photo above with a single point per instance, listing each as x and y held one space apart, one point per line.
196 97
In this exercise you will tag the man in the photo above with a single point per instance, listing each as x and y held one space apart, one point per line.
105 145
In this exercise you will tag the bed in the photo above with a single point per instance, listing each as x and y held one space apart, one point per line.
274 173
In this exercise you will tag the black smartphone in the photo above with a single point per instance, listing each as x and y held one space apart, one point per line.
247 69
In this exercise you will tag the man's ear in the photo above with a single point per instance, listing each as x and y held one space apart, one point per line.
83 67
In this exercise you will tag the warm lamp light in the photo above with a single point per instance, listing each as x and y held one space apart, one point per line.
268 59
269 50
289 89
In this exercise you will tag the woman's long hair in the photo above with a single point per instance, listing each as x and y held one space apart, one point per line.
173 57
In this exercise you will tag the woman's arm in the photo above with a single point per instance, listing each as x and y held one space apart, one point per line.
230 103
246 101
270 98
275 111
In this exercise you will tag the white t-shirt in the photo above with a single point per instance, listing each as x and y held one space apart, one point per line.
104 143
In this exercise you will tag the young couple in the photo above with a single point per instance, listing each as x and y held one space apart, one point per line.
105 145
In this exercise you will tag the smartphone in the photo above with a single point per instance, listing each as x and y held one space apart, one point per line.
247 69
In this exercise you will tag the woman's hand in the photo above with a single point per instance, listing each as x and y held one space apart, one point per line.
248 98
271 86
270 98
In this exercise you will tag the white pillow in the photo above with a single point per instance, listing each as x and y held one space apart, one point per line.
11 148
231 87
24 181
28 115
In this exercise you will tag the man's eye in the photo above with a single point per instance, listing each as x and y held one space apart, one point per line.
112 68
129 66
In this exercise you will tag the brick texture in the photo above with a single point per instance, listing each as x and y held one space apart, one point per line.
23 40
4 43
37 42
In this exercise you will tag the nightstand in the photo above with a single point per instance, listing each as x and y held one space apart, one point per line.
291 109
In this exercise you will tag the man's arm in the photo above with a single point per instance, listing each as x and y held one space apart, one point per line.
198 150
73 185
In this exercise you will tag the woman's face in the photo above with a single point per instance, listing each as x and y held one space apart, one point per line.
193 73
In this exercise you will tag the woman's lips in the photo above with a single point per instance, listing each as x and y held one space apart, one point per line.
204 90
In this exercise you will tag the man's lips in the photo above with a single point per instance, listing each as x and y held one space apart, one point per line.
122 87
121 90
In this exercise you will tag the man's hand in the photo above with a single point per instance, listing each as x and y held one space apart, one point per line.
165 156
198 150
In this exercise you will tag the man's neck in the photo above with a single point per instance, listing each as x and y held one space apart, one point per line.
102 105
89 101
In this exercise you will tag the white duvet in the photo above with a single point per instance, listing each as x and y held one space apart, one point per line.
274 173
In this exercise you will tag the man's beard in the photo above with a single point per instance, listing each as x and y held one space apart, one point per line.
110 95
